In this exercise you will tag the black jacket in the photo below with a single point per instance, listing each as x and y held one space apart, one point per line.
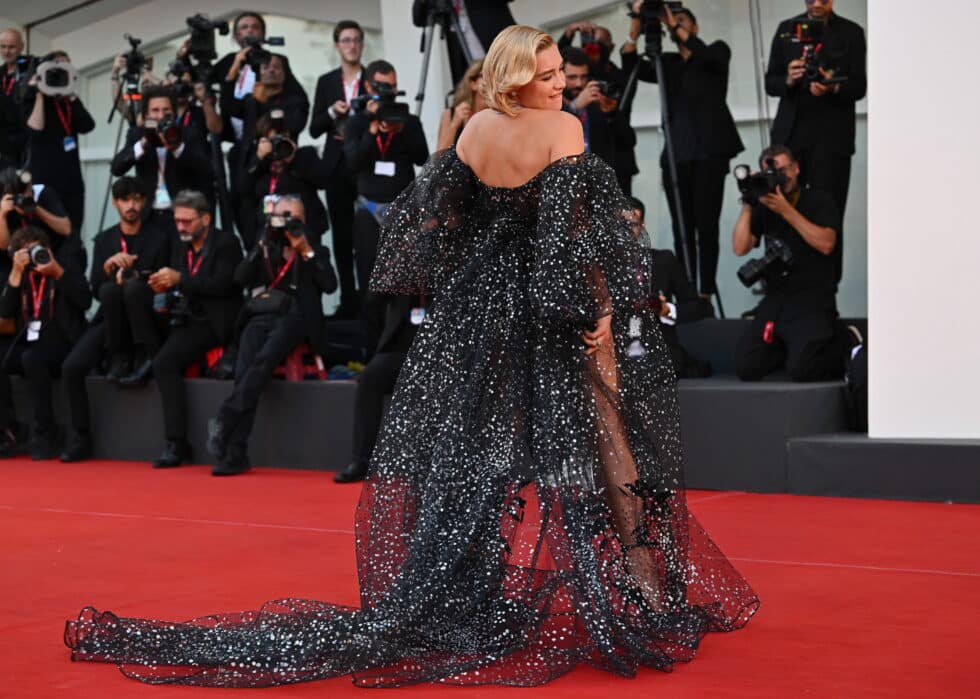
329 89
49 162
803 120
488 17
220 71
71 296
399 331
701 124
212 291
310 278
151 245
407 148
605 132
192 170
303 176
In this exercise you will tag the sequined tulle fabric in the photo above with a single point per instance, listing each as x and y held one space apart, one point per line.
525 511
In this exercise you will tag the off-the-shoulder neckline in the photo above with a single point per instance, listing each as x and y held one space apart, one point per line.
565 158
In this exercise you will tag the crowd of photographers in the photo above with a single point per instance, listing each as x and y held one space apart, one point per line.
175 291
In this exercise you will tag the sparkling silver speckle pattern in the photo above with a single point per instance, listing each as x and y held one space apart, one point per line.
525 510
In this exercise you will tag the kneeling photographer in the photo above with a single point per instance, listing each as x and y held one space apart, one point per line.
199 294
167 157
276 167
383 143
48 300
796 326
287 275
123 257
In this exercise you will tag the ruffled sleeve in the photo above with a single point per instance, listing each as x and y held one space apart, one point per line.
425 230
588 260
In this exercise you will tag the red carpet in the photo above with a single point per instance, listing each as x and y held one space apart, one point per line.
860 598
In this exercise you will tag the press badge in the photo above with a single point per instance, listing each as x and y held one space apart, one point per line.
70 143
385 168
636 326
34 331
418 315
162 198
269 203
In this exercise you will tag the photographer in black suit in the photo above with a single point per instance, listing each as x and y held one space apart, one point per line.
402 317
287 275
796 325
167 157
23 203
200 296
13 134
703 134
48 301
816 114
331 108
604 128
479 20
124 255
674 298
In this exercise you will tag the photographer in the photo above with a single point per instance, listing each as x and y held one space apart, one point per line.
703 135
479 21
603 126
468 99
817 70
674 298
383 143
55 122
331 108
13 136
48 301
198 292
123 257
196 104
402 317
796 324
277 167
24 203
287 275
167 157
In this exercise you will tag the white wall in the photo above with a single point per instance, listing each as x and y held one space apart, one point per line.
923 239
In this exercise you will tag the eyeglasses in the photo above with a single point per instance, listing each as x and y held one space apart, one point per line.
185 221
348 40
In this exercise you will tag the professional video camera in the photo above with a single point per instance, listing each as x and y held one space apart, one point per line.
809 34
26 65
56 78
258 56
776 264
15 183
136 63
161 133
202 36
651 15
388 110
754 186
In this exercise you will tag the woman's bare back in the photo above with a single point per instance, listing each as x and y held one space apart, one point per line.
508 151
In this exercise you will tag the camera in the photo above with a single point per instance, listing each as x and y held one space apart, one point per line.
610 89
136 63
129 274
279 225
56 78
39 255
810 35
388 108
202 36
161 133
774 265
258 56
283 147
175 305
14 183
651 15
754 186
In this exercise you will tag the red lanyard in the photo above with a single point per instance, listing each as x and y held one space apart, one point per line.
187 117
282 271
243 73
273 179
123 245
8 83
352 91
191 267
64 116
383 148
37 291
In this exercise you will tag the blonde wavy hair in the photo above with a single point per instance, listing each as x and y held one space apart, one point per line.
510 64
464 92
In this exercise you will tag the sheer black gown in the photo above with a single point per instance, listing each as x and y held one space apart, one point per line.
525 510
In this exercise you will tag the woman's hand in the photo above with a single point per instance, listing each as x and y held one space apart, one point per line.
600 339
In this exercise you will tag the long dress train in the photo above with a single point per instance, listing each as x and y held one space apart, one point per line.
525 509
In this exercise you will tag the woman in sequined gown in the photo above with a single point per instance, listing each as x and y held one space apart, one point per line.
525 509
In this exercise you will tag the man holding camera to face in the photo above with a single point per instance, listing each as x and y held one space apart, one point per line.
595 103
201 300
23 203
796 326
48 300
383 143
123 258
286 274
167 157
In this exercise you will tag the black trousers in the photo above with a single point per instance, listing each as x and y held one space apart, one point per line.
808 340
702 188
39 362
74 203
144 326
265 342
185 345
341 195
831 173
376 381
85 356
366 233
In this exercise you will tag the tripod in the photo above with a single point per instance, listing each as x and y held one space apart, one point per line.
653 54
132 96
441 13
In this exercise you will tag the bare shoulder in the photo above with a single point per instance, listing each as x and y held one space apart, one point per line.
562 132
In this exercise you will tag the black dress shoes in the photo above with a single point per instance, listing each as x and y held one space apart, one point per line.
140 375
43 446
120 365
354 473
230 468
174 453
79 448
217 439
